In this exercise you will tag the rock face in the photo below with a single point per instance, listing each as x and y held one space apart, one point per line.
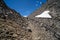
12 24
47 6
15 27
50 24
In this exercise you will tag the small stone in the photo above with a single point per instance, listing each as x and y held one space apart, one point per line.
15 35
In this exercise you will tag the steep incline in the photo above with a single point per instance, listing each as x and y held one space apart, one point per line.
12 24
50 24
49 5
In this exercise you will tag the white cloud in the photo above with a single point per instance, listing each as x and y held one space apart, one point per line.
40 2
45 14
24 16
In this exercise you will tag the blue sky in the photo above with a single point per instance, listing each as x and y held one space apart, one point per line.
24 7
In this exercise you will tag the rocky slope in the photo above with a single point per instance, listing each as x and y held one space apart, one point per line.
49 5
15 27
50 24
12 24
